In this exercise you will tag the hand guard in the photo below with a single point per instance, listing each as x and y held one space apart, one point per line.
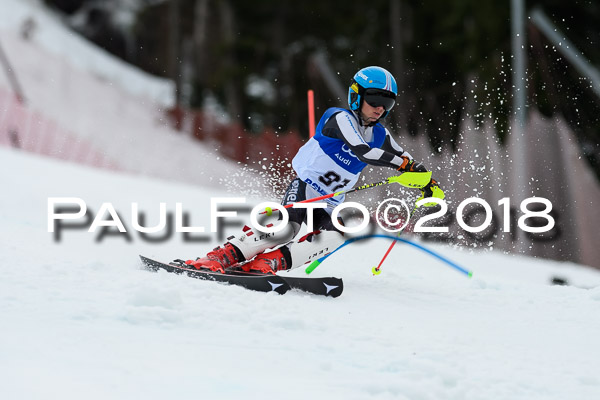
431 190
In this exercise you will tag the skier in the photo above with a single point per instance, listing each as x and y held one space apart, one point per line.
345 141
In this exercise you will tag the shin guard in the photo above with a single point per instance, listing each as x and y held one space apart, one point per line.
252 241
313 246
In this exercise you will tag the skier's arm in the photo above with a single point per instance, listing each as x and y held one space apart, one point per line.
393 147
432 189
342 127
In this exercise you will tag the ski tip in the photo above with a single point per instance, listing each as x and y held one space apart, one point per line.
148 264
470 274
336 288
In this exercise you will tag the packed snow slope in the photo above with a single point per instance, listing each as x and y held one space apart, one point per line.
82 319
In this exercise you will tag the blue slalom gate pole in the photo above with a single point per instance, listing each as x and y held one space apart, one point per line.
311 267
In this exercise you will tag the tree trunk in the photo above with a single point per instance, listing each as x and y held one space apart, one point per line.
396 23
174 50
231 85
200 42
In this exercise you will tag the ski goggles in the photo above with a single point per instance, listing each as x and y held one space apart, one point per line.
380 98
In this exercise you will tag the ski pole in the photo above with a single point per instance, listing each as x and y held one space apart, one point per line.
377 270
406 179
436 193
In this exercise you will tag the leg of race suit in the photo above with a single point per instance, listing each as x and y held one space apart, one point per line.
252 241
315 244
294 254
312 247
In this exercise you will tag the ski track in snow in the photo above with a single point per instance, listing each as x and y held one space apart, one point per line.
85 319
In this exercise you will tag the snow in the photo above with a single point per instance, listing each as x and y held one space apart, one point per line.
49 33
79 97
82 318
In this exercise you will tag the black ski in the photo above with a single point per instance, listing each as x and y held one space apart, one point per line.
261 283
327 286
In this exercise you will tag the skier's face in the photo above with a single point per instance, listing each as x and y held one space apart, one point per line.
371 114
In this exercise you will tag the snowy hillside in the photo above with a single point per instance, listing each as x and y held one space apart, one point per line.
82 319
80 99
49 33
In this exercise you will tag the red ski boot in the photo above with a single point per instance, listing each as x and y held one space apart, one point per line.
267 263
218 259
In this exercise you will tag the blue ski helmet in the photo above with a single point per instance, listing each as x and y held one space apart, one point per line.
376 86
